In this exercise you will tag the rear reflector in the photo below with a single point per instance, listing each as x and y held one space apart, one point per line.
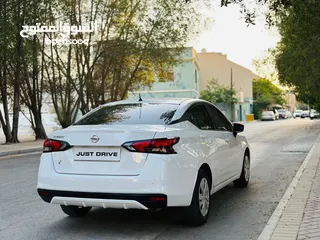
156 199
160 146
43 193
50 145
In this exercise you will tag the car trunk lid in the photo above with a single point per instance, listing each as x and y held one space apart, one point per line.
97 150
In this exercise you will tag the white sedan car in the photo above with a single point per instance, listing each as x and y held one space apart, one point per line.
144 155
268 115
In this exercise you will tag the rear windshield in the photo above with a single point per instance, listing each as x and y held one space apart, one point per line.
134 113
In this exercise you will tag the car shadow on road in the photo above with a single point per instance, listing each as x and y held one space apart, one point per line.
125 223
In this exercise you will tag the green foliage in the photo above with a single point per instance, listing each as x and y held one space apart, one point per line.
266 66
218 94
264 94
250 12
298 53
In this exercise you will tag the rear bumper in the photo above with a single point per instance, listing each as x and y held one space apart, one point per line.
267 118
105 200
158 178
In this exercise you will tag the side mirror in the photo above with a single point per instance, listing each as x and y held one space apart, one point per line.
238 128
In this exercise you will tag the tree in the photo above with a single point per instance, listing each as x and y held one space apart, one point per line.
134 39
216 93
264 94
298 53
266 66
31 86
250 9
11 13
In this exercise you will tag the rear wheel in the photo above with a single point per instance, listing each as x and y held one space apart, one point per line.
245 173
75 211
197 213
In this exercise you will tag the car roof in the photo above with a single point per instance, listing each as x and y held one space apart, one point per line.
177 101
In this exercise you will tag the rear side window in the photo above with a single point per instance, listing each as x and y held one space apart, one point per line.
199 116
135 113
221 122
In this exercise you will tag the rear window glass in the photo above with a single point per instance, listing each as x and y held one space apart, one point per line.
136 113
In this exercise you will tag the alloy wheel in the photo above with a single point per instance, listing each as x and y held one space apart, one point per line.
204 197
246 168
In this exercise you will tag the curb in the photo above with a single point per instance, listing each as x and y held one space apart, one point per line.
21 151
273 221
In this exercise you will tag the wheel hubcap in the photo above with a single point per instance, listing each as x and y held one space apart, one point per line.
204 197
246 168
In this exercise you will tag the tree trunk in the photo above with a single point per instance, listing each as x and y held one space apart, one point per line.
39 129
5 129
16 110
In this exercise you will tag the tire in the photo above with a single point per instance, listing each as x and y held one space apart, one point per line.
74 211
245 173
197 213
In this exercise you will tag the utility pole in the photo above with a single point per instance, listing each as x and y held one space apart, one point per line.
232 104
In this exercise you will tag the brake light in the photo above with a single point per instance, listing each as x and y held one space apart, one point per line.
160 146
50 145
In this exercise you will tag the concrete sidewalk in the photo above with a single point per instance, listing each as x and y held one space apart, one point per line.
19 148
297 216
27 142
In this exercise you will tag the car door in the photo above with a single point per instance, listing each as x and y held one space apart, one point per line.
209 145
213 145
232 153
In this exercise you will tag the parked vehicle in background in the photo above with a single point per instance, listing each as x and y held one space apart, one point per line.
282 113
297 113
268 116
305 114
289 115
314 114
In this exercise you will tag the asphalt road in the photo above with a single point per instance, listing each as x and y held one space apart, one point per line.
278 149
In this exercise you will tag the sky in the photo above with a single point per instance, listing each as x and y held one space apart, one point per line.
230 35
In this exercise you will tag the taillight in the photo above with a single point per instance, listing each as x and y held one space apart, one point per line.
50 145
162 145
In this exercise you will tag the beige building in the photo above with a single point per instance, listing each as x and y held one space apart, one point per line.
217 66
